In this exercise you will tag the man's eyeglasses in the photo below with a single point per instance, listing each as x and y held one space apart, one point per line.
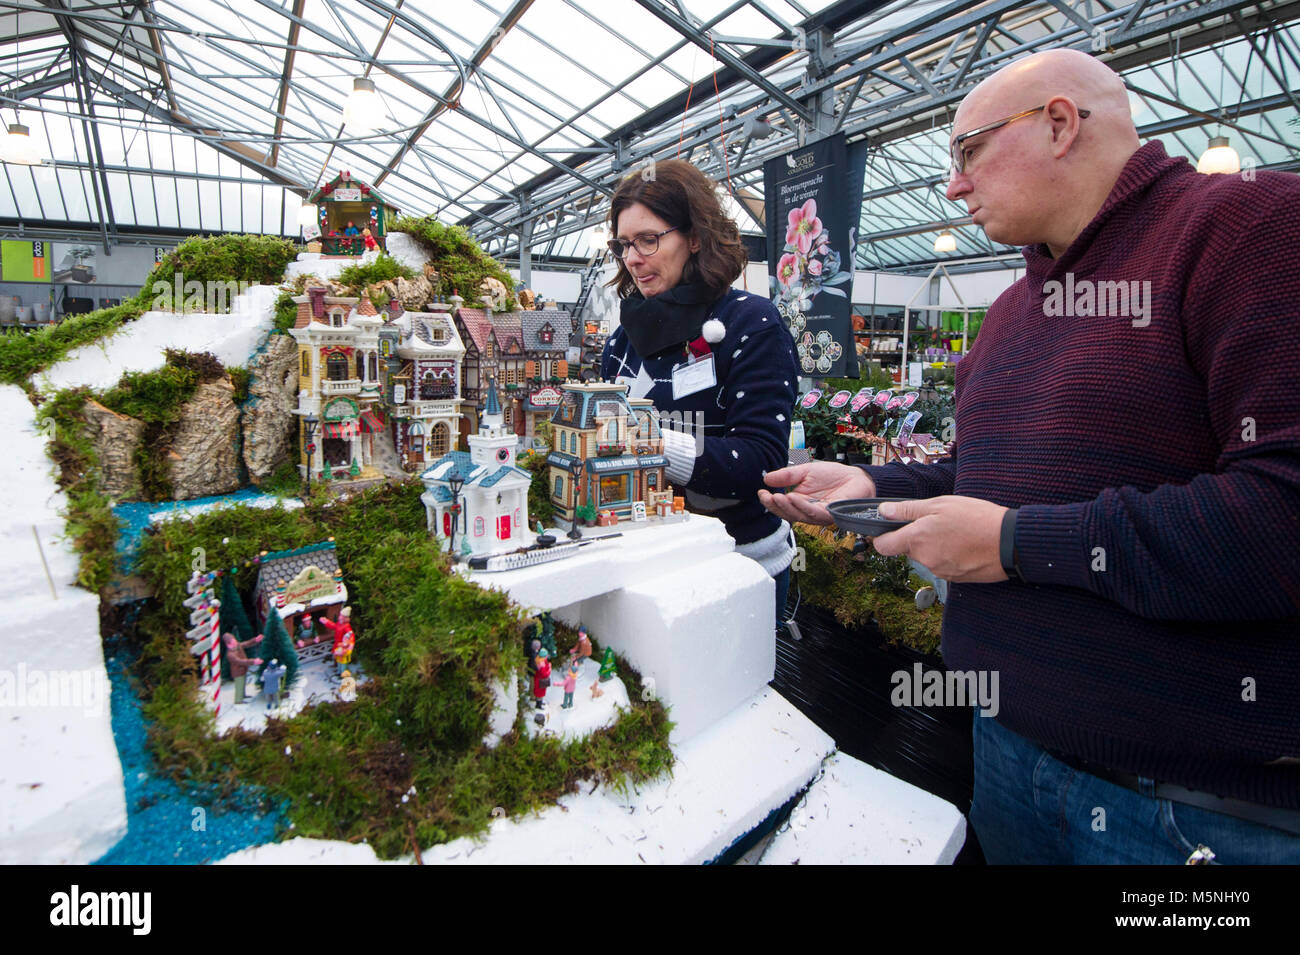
957 151
647 243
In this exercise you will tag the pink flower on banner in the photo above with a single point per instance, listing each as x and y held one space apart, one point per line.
787 269
804 227
814 267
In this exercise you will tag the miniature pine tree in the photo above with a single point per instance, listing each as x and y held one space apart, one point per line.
278 646
607 668
327 473
548 635
355 469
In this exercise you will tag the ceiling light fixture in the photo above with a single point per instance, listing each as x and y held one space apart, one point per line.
363 109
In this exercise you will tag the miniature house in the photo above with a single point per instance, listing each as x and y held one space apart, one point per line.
422 356
490 514
607 451
301 583
338 385
345 200
480 364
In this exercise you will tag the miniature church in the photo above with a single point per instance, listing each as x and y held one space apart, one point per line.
476 502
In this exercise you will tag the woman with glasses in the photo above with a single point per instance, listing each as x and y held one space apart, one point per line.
718 361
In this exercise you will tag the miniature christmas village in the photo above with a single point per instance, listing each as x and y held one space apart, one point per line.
316 543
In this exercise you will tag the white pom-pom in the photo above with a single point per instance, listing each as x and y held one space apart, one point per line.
714 331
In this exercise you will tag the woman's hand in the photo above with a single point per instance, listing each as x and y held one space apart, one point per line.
812 486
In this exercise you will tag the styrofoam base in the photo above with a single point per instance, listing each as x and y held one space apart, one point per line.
856 814
725 782
61 793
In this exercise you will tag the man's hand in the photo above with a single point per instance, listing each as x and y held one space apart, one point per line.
957 538
812 487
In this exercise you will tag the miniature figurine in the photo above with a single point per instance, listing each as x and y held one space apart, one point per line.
533 647
542 678
596 691
272 684
351 229
607 668
583 647
343 648
239 663
341 628
348 687
570 682
369 240
307 633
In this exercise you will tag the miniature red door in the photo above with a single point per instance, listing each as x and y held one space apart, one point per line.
503 527
446 523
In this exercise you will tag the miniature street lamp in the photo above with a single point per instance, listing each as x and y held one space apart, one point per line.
455 481
309 423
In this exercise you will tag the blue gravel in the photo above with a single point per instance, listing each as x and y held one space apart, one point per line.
162 825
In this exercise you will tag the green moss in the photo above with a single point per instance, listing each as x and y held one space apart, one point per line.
256 259
540 507
860 593
382 269
286 311
240 378
460 261
429 642
91 525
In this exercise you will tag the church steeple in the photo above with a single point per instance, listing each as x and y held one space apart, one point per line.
493 445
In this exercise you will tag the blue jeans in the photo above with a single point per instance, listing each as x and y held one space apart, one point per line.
1030 808
782 589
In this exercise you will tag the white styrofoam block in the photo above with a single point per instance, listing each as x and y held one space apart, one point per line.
725 782
856 814
61 794
140 345
406 250
703 636
307 852
312 264
644 551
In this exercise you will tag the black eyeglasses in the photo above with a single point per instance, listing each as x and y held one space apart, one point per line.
647 243
958 154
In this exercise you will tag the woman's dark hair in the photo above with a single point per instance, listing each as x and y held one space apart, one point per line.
686 199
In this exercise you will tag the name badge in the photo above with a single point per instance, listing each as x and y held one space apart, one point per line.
693 377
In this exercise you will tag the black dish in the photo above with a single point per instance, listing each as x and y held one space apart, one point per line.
858 516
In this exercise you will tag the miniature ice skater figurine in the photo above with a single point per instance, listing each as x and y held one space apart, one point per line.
542 678
583 647
239 663
607 668
348 687
272 683
570 682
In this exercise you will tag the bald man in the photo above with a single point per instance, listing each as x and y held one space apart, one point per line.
1120 516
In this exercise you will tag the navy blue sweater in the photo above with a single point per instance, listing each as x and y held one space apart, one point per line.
746 414
1155 462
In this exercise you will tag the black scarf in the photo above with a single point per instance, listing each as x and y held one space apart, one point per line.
657 324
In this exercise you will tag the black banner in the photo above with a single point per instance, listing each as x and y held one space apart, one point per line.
812 225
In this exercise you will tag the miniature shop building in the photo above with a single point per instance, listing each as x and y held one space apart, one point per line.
339 389
421 364
546 335
295 584
607 449
490 514
345 200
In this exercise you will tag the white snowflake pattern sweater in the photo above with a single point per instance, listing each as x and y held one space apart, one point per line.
745 414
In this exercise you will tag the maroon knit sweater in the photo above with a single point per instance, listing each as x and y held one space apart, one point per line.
1156 467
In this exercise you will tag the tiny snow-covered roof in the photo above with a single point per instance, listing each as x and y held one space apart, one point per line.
287 565
475 475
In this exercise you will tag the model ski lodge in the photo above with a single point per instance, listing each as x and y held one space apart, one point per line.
607 451
343 200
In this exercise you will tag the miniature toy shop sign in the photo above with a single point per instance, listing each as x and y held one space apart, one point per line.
346 195
812 224
312 584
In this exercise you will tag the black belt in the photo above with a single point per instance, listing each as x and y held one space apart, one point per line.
1287 820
